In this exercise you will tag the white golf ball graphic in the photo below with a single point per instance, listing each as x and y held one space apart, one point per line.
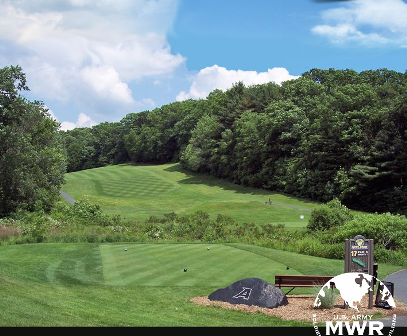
353 287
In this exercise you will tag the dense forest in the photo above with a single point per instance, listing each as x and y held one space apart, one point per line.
329 134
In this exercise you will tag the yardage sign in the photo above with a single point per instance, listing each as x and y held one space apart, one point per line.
359 255
359 258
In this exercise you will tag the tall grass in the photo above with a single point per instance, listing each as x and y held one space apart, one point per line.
328 300
7 232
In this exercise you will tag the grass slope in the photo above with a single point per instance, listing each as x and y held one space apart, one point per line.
101 285
142 191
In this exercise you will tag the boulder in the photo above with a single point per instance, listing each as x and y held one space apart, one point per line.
251 292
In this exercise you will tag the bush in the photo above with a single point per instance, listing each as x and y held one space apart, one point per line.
388 231
390 257
153 231
328 300
329 215
87 223
36 225
88 213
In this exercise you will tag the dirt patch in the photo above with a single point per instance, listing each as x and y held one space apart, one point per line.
301 308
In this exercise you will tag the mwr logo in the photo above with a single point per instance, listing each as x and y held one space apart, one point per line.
244 294
353 287
354 328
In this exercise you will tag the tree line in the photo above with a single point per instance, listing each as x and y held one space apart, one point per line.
329 134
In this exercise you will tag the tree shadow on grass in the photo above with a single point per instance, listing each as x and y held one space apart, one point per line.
207 180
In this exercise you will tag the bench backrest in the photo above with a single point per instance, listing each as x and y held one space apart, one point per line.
301 280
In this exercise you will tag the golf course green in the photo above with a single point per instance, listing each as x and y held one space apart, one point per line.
142 191
105 285
151 284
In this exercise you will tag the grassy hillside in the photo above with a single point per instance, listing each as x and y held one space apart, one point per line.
142 191
103 285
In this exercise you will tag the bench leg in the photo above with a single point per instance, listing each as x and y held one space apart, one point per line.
290 291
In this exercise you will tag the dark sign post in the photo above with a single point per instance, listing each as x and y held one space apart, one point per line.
359 259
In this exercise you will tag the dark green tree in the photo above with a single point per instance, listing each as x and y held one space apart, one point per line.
32 159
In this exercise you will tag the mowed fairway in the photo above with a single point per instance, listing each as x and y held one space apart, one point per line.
142 191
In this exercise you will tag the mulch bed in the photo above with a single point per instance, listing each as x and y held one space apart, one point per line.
301 308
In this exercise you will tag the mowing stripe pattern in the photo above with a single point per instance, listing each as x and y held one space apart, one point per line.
163 265
133 187
142 191
126 182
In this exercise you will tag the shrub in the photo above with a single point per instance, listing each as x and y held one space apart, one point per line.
329 215
388 231
180 229
390 257
200 218
87 213
210 235
36 225
170 217
328 300
153 231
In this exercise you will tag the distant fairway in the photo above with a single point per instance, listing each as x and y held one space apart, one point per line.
142 191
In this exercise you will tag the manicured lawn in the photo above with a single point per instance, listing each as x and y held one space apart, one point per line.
142 191
163 265
103 285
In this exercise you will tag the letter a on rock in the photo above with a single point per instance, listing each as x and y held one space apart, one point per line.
244 294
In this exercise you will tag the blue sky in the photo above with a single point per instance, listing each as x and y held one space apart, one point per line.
259 34
95 61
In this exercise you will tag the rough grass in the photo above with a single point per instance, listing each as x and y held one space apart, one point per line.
142 191
7 232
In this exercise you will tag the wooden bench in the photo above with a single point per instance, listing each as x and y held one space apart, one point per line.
302 281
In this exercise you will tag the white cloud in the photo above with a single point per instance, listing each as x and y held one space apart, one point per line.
89 52
217 77
371 22
348 32
83 121
149 102
105 81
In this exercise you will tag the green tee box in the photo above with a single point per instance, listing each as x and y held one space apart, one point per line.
165 264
